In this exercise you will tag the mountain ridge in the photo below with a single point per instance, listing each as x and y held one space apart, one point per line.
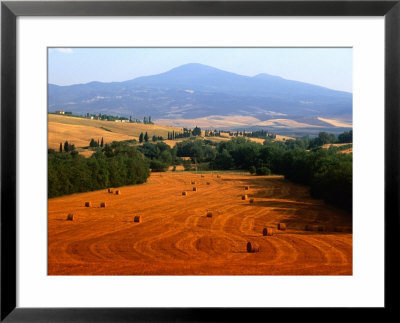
195 90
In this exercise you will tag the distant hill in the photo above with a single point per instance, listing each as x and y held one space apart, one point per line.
195 91
79 131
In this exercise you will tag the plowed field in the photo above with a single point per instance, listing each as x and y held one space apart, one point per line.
175 236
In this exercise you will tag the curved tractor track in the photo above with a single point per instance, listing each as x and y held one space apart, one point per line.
175 236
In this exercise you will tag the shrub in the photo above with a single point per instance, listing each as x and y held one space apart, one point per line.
263 171
158 166
252 169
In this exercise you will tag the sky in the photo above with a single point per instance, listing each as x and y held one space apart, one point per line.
328 67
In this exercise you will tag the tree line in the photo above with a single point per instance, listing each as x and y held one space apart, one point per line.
328 173
115 165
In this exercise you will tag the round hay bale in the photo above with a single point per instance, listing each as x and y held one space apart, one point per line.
70 217
103 204
88 204
208 183
117 192
244 197
184 193
246 188
202 175
268 232
194 189
218 176
252 247
136 218
193 182
282 226
209 214
110 190
251 201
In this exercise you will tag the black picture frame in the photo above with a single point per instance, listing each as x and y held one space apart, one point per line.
10 10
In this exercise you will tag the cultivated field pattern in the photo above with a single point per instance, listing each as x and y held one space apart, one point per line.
175 236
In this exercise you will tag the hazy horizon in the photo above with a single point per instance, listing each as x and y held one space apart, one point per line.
326 67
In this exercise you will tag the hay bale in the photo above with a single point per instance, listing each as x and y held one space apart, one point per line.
218 176
202 175
246 188
103 204
252 247
136 218
209 214
110 190
193 182
184 193
244 197
282 226
117 192
208 183
268 232
88 204
70 217
251 201
194 189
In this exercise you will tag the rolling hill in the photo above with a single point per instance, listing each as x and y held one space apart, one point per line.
196 91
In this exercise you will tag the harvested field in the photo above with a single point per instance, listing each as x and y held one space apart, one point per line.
176 237
79 131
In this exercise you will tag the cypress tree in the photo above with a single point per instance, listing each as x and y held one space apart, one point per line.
92 143
60 147
102 142
146 137
141 137
66 146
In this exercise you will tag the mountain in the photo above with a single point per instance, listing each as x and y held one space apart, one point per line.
194 91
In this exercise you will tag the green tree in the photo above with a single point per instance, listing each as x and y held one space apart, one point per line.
263 171
66 146
223 160
92 143
141 137
196 131
146 137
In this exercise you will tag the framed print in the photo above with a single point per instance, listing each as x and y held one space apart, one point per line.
193 160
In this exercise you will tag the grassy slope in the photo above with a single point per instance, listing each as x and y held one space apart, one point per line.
79 131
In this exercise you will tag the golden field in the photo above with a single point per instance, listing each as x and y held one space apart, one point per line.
80 131
175 236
